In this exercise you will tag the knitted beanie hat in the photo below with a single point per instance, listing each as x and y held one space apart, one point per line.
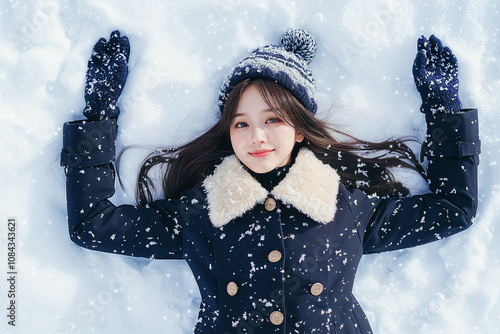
286 64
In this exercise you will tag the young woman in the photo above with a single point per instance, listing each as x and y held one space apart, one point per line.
269 210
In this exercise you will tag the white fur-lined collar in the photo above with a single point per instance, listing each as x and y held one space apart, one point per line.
310 186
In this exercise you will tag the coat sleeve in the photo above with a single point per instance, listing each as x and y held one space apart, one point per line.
452 149
94 222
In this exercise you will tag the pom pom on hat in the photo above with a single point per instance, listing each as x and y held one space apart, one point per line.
286 64
299 42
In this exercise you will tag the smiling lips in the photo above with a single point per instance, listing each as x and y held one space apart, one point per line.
260 153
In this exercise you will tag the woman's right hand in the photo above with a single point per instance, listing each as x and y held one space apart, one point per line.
106 76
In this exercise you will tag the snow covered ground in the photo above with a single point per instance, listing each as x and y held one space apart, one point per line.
180 52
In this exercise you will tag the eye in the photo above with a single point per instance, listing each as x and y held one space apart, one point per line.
273 120
240 125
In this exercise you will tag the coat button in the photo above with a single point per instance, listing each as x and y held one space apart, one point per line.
270 204
316 289
276 318
274 256
232 288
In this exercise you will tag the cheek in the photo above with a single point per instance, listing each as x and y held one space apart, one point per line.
287 135
235 139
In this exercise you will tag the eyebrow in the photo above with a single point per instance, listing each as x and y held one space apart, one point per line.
243 114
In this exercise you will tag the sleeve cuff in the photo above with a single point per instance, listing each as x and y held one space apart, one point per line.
452 135
88 143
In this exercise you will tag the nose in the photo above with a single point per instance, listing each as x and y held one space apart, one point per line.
258 136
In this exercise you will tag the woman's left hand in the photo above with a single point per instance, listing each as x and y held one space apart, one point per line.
435 71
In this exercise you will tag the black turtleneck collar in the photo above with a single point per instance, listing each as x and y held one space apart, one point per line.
271 179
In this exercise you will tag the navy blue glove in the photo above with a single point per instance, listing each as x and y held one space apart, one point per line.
106 76
435 71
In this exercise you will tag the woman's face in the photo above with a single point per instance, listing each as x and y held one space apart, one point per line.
260 139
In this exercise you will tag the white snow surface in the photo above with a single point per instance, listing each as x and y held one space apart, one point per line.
180 53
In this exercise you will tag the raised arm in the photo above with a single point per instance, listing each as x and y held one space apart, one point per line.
87 156
452 148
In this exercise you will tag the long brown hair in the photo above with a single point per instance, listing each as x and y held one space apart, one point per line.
360 164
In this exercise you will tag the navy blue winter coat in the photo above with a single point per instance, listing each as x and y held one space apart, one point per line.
279 261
